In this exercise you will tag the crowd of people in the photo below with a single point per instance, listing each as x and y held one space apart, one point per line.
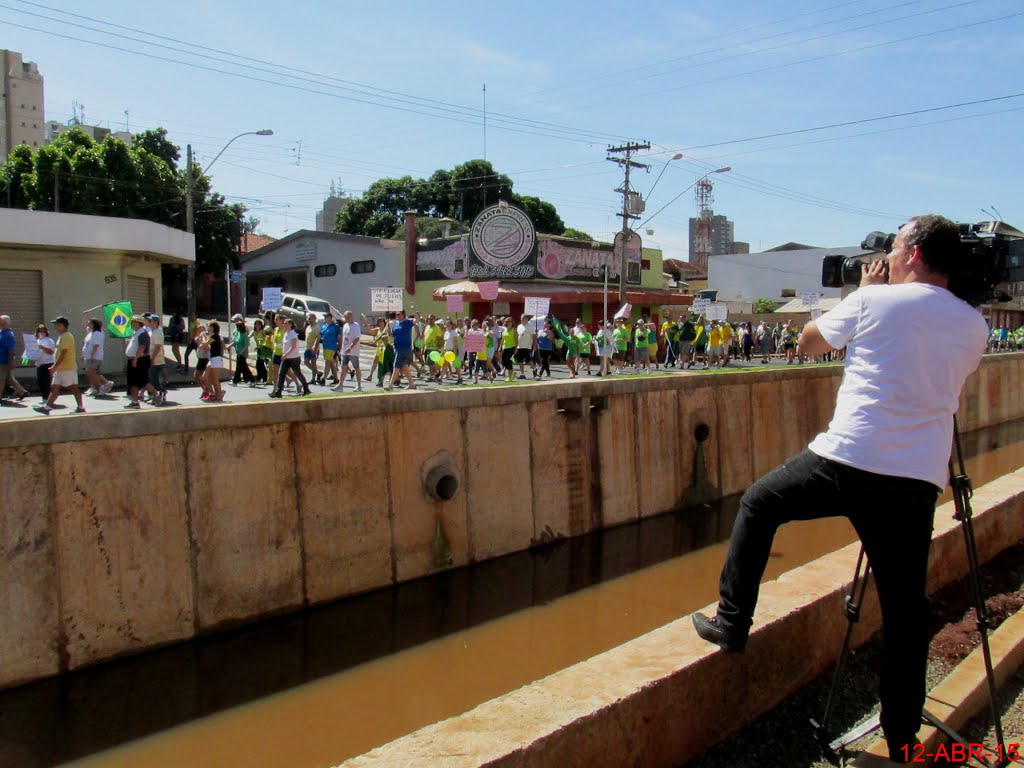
407 349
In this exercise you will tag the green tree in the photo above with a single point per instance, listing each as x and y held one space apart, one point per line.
765 306
576 234
75 174
460 193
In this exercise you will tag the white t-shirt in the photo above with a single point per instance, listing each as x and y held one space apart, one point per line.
450 338
133 344
894 411
350 338
93 338
47 346
607 345
526 332
289 350
156 339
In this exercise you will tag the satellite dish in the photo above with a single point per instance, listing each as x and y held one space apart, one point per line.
650 232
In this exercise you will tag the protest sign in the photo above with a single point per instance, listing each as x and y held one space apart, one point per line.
809 298
488 291
386 299
718 310
536 307
624 311
31 348
700 306
455 304
271 299
501 308
476 341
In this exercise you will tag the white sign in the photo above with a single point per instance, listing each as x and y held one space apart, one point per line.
455 303
718 311
500 308
271 299
815 314
536 307
624 311
31 348
810 299
386 299
305 251
700 306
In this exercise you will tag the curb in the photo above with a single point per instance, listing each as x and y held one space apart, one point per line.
963 694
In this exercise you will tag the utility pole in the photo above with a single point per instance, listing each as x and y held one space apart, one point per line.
628 206
190 227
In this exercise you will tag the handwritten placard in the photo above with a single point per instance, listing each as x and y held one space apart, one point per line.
476 341
271 299
501 308
386 299
488 291
536 306
718 311
624 311
455 304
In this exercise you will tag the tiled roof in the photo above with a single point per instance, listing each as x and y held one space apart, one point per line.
252 242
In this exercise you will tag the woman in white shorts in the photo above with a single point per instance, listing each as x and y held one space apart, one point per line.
216 363
92 358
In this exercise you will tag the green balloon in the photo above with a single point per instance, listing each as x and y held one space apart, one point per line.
435 357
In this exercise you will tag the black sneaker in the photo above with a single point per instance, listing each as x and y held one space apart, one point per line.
713 632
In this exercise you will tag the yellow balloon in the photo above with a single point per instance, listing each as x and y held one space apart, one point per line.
449 357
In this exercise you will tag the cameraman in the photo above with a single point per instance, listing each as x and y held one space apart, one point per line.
881 463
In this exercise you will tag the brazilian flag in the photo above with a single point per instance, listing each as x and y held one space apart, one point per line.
118 317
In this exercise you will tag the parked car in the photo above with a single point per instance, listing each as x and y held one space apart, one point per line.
296 307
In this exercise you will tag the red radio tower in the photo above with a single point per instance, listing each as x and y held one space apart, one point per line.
704 191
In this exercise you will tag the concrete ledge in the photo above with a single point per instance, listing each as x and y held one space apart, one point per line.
667 696
964 692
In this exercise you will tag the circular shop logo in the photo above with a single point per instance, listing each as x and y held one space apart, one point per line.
502 235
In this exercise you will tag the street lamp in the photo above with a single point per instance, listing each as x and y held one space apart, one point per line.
676 156
723 169
190 223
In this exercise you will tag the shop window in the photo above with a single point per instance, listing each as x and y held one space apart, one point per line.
326 270
363 267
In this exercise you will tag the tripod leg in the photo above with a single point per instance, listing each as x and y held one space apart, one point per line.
854 600
962 492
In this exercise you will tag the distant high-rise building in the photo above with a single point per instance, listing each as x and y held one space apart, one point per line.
55 128
325 218
721 237
21 110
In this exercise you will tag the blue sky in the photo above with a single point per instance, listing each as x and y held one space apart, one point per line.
563 81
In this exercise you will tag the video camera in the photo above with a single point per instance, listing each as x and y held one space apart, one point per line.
992 254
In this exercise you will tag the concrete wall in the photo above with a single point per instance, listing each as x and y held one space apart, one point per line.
126 531
667 696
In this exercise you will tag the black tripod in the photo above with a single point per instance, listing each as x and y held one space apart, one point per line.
962 492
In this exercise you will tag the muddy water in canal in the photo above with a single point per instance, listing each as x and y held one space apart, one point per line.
313 689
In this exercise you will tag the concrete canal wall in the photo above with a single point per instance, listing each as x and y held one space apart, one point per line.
122 532
667 696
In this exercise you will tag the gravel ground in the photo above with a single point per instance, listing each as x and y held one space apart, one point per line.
784 737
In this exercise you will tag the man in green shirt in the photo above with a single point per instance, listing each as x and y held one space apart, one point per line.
621 338
641 345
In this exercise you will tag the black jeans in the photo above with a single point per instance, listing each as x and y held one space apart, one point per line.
290 363
545 362
893 517
242 370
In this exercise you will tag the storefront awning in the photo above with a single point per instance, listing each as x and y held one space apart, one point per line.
565 293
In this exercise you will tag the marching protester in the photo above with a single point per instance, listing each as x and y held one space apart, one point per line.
216 349
92 359
202 345
7 344
47 347
525 345
350 336
312 351
157 359
137 361
291 357
384 359
641 347
239 342
545 345
64 371
264 353
605 348
176 332
402 333
329 342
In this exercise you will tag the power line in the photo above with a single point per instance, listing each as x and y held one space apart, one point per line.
834 54
444 111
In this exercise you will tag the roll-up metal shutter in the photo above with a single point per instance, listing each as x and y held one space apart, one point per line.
21 297
140 294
